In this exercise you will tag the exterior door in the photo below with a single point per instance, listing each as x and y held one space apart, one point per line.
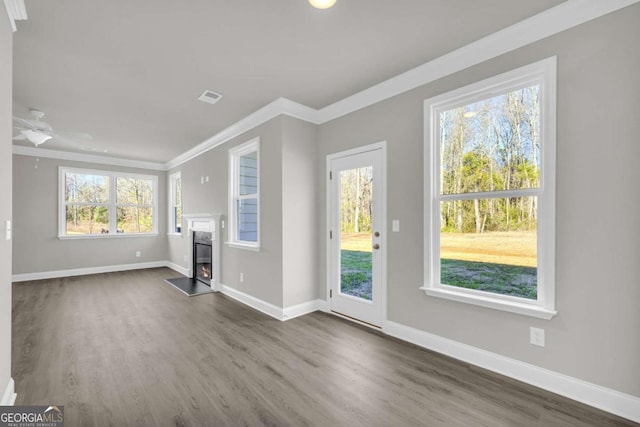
356 233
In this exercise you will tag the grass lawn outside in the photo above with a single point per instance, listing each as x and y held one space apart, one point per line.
355 273
498 262
501 279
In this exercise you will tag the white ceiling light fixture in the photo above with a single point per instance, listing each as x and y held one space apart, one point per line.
322 4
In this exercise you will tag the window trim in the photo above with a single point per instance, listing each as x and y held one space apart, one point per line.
544 73
112 175
173 179
234 167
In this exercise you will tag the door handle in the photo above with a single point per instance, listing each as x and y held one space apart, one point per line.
376 246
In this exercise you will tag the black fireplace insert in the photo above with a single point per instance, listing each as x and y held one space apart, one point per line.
202 261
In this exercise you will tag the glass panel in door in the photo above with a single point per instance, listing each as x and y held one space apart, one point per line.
356 225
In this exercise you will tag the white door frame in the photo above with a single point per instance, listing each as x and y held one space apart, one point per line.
382 146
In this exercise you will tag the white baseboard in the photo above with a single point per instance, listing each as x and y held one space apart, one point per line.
324 305
253 302
300 309
90 270
9 396
608 400
270 309
180 269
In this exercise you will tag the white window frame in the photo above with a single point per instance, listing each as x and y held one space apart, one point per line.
234 194
113 223
543 73
174 178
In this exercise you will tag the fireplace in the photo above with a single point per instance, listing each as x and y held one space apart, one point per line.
202 257
202 247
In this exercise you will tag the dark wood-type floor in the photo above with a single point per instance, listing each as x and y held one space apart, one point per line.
127 349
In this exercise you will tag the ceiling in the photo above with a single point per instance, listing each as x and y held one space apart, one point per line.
129 72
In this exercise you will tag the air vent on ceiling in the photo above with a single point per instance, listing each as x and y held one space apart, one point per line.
210 96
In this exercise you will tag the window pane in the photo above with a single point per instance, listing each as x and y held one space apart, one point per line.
492 144
87 220
490 245
135 219
248 179
177 212
178 190
247 220
86 188
134 191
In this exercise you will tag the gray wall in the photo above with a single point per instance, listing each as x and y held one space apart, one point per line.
6 64
284 271
299 212
262 270
596 335
36 245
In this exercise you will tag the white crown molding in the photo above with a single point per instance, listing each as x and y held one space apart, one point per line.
612 401
88 158
263 115
16 11
552 21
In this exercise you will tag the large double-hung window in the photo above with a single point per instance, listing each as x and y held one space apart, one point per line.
490 192
97 203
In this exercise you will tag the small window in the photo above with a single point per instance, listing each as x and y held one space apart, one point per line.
102 203
175 203
244 191
489 192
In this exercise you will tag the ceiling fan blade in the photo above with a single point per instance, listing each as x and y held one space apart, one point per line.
75 135
59 139
23 122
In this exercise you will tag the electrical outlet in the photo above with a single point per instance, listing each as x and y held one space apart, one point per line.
7 230
241 277
395 226
202 180
206 178
138 254
536 336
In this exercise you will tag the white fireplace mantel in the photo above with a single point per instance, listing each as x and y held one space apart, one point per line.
210 223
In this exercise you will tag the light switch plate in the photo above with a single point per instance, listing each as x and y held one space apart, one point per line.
395 226
7 230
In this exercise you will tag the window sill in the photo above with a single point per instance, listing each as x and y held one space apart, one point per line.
175 234
254 248
494 303
106 236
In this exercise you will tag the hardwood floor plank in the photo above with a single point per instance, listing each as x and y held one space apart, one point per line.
126 348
